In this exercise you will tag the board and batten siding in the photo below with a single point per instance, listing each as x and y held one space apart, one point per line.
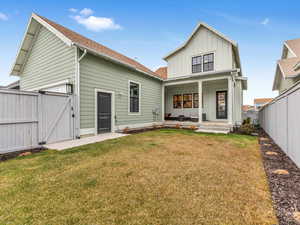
50 61
204 41
97 73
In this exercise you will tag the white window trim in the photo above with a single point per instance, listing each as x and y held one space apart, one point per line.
112 109
202 63
140 94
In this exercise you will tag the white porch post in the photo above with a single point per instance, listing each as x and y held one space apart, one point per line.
230 106
200 100
163 103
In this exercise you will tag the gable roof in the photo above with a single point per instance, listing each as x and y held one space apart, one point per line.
294 46
289 67
202 24
72 38
162 72
262 100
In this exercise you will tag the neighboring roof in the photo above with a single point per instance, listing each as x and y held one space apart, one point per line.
262 100
14 85
287 67
162 72
247 108
73 38
294 46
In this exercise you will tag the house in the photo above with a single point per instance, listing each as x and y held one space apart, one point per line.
260 102
288 67
14 85
202 81
246 108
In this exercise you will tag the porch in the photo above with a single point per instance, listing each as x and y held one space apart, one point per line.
199 102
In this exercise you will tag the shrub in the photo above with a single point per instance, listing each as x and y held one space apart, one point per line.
247 129
247 121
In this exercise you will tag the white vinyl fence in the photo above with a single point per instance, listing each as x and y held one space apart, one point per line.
281 120
29 119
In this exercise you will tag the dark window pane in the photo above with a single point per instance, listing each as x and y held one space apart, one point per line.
196 100
208 62
134 97
197 64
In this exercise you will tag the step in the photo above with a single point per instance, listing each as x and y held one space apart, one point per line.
218 131
206 127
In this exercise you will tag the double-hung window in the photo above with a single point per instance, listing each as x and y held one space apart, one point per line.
208 62
197 64
203 63
134 97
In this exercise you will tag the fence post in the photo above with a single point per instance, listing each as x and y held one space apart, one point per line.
40 118
287 124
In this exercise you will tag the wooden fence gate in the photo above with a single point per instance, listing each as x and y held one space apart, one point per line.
29 119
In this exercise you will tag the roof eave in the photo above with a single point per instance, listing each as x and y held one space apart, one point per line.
275 82
109 58
46 25
289 48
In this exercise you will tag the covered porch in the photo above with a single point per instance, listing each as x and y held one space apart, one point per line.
199 102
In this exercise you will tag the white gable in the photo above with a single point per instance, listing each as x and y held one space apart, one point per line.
202 41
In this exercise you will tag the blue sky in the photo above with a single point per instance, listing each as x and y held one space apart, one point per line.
148 30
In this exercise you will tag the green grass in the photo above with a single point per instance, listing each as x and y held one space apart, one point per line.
159 177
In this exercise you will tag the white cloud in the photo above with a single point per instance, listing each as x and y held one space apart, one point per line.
73 10
86 12
3 16
97 24
265 21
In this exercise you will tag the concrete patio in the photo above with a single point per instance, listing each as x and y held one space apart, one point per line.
83 141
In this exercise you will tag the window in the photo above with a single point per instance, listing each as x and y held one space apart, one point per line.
134 102
187 101
177 101
195 100
208 62
197 64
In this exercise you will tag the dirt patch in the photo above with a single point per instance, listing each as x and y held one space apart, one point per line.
145 129
11 155
284 181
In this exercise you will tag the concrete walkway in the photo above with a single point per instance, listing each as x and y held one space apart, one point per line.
83 141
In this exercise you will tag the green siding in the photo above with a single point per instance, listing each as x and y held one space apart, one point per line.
50 61
97 73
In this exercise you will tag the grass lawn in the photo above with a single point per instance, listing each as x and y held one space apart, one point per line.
157 177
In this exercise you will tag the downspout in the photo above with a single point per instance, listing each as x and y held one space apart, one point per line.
77 81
